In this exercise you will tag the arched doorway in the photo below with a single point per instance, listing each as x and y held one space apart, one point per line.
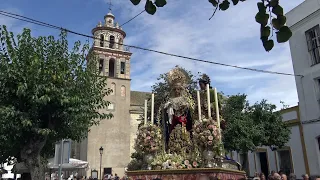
111 67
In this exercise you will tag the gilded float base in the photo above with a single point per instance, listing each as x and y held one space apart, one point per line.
187 174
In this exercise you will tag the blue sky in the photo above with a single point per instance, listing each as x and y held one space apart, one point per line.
182 27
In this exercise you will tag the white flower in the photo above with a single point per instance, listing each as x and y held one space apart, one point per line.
165 165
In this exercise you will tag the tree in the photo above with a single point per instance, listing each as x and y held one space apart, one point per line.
46 94
249 127
270 16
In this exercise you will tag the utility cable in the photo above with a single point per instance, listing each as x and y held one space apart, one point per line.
132 18
40 23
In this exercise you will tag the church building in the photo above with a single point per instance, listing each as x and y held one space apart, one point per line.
115 135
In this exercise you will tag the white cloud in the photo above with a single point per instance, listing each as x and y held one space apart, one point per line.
231 37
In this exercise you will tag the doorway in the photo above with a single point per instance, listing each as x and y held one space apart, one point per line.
264 163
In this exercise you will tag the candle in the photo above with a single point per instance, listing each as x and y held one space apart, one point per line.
145 111
208 99
199 105
152 108
217 110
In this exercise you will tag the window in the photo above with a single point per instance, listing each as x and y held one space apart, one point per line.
285 163
101 40
313 43
111 42
107 171
123 68
123 91
101 65
113 88
111 67
111 106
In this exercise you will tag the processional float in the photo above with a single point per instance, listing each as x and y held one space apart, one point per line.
184 144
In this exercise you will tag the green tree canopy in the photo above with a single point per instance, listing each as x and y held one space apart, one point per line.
46 94
270 16
248 127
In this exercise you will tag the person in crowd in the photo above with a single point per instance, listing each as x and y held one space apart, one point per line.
284 176
305 177
110 176
292 176
256 174
276 176
262 176
116 177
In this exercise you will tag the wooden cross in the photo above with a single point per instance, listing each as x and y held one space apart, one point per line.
110 5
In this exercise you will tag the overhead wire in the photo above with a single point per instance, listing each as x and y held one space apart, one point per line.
132 18
40 23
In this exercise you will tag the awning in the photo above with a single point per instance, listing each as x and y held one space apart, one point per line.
72 165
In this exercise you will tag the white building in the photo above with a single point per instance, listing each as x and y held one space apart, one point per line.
291 158
304 22
302 152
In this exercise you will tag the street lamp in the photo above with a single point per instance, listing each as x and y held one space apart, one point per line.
101 152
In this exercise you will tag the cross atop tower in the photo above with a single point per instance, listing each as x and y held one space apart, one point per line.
110 5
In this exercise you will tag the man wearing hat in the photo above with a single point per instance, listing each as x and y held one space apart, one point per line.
203 81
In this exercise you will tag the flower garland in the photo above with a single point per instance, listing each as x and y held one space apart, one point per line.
174 161
149 139
206 134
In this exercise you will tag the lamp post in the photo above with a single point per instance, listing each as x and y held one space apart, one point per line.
101 152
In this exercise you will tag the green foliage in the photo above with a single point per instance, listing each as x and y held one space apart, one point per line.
46 93
238 134
270 16
135 2
253 126
151 6
137 162
275 20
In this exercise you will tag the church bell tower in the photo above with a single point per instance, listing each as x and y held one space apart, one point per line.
114 58
113 135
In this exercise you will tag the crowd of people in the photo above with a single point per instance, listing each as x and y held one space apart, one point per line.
282 176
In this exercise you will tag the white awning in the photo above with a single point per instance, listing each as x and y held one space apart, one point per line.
73 164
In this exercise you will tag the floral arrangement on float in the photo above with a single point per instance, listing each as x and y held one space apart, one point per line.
148 142
207 137
149 139
174 161
206 134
